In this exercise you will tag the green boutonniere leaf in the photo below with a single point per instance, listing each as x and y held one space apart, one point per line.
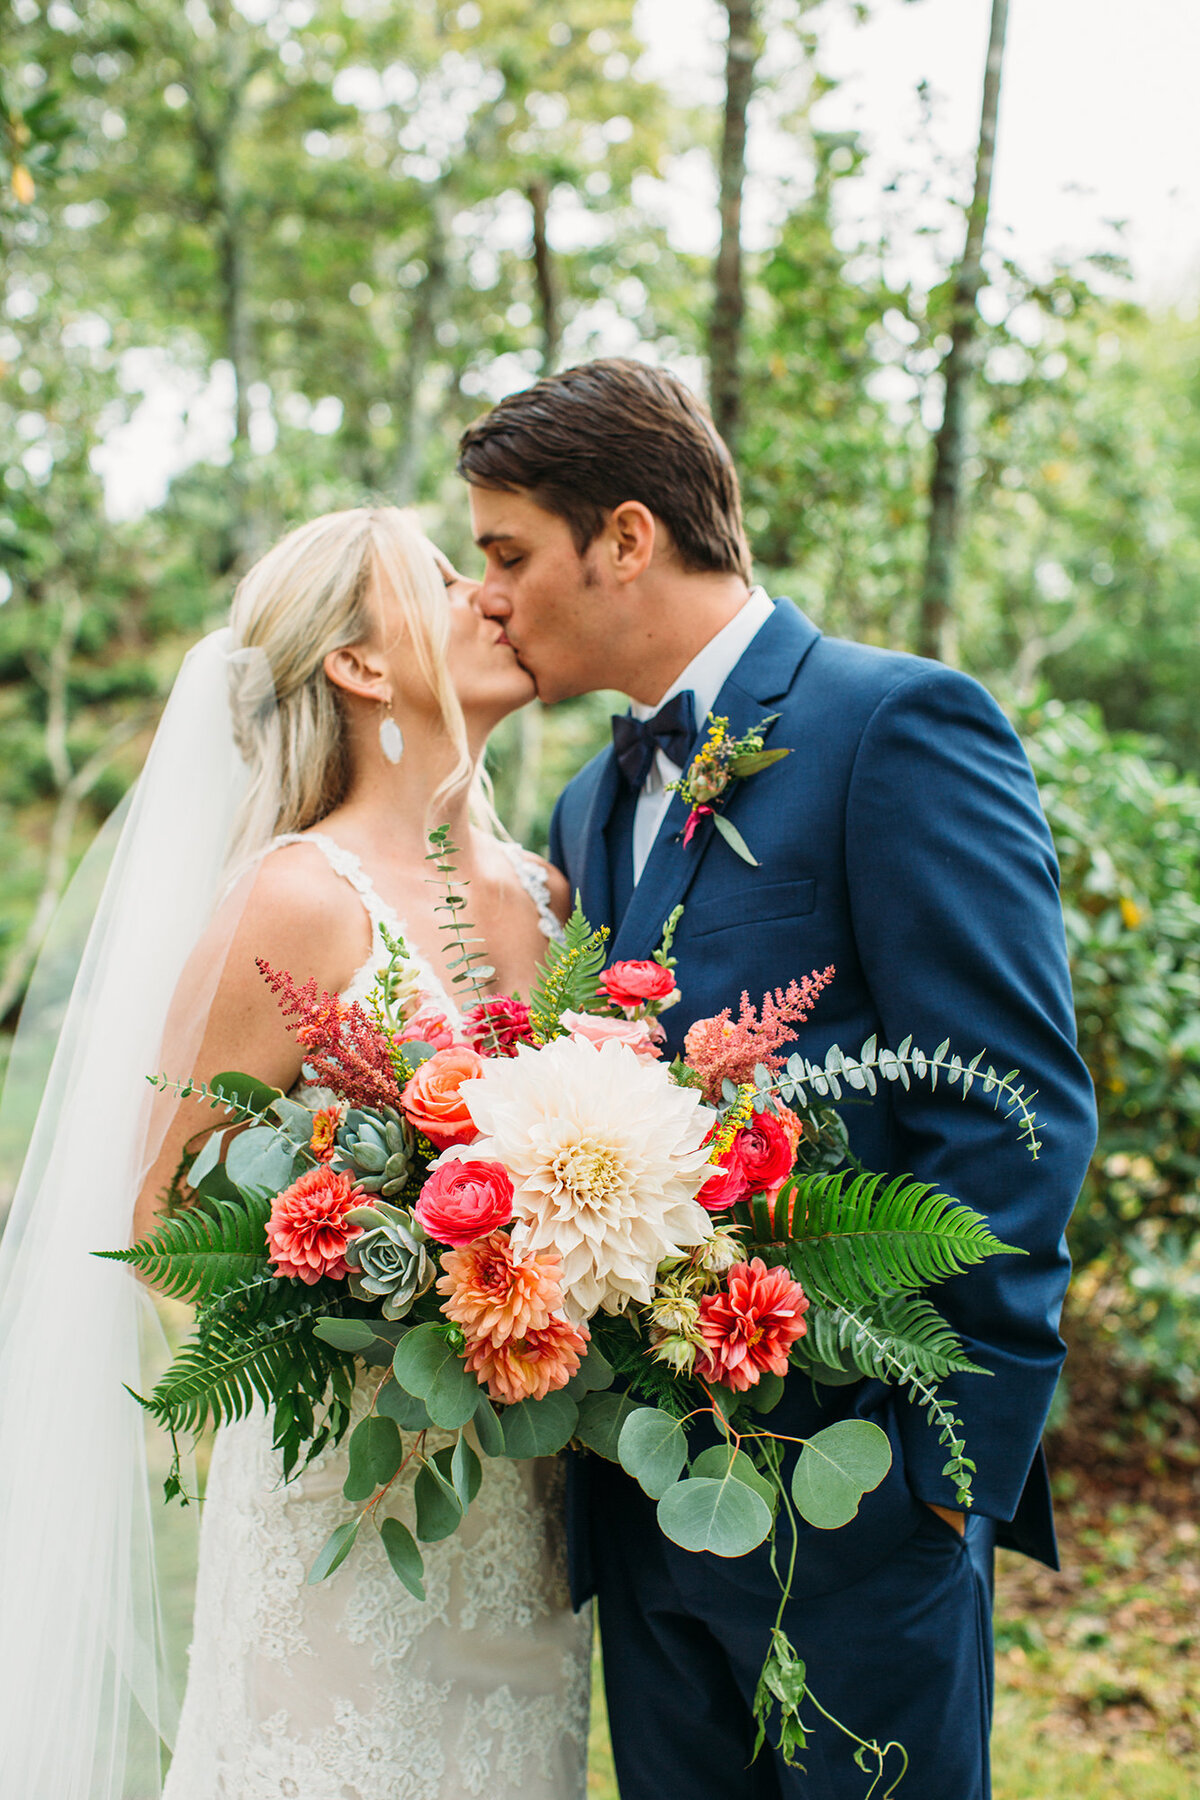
752 761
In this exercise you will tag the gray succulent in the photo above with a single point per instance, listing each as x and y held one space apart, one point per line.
388 1261
374 1148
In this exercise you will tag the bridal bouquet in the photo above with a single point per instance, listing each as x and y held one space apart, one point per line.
522 1228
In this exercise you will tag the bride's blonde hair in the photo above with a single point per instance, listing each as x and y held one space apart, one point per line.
309 595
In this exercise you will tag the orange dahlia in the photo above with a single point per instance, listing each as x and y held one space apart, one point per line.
492 1295
529 1367
749 1328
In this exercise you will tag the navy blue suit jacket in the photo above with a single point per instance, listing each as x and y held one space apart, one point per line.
903 842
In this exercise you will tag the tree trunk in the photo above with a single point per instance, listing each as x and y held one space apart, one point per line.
936 615
729 299
428 302
543 274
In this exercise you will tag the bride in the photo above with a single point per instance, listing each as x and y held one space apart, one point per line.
360 686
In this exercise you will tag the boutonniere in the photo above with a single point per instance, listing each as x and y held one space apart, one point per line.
722 761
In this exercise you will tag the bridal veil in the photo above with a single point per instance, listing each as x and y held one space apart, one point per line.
86 1703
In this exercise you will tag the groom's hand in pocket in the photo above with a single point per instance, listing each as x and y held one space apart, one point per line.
957 1521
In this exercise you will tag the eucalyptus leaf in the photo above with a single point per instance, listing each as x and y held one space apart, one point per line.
725 1517
345 1334
601 1418
595 1373
539 1427
427 1364
210 1155
466 1471
653 1449
765 1396
245 1090
439 1509
488 1428
395 1402
836 1468
260 1160
734 839
716 1462
404 1555
334 1551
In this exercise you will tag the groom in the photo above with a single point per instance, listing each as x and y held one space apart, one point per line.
902 841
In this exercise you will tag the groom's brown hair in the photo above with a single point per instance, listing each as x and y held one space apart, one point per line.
582 442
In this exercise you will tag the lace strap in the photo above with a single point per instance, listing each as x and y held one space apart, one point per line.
534 880
348 865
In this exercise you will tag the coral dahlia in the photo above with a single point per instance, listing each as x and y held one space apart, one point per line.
492 1295
606 1156
750 1327
308 1229
529 1367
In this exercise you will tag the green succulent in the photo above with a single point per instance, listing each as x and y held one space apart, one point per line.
389 1260
376 1150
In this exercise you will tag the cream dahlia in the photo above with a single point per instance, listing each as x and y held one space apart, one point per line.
606 1156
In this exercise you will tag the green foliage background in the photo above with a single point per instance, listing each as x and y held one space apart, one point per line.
314 222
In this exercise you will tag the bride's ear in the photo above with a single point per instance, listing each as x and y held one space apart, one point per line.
356 669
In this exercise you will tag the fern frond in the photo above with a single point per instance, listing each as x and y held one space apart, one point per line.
216 1378
260 1299
568 980
203 1251
900 1339
861 1236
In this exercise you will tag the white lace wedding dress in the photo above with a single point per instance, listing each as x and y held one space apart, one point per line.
354 1690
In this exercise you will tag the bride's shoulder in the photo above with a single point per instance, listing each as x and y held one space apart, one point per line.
297 907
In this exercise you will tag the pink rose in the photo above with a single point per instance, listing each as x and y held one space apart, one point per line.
432 1103
634 984
462 1201
639 1034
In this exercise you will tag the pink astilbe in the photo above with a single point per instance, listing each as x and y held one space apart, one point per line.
342 1048
719 1049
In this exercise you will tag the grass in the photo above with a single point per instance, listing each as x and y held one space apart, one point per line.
1097 1668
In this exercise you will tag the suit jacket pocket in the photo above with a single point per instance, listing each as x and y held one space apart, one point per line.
775 900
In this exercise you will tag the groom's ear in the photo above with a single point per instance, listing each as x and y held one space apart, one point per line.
629 538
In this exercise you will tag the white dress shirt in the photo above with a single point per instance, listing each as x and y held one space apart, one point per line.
706 675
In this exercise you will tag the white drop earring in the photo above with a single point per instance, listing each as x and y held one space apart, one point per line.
391 738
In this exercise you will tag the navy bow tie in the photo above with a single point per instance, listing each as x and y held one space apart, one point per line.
671 730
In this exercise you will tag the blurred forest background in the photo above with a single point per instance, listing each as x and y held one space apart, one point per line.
316 240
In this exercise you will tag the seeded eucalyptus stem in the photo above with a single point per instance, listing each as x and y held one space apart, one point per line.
470 971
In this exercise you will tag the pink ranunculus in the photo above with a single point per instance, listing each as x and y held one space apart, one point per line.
633 984
462 1201
431 1101
428 1026
308 1230
750 1327
639 1034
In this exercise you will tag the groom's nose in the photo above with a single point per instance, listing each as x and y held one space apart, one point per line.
489 600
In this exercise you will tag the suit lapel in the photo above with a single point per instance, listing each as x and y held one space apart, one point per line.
763 674
595 884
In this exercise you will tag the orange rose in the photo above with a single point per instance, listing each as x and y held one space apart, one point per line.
432 1103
